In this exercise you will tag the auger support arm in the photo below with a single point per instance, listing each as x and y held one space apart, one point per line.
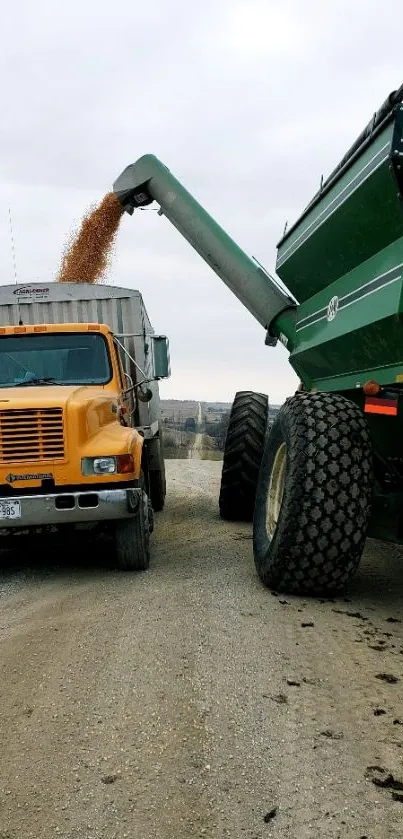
149 180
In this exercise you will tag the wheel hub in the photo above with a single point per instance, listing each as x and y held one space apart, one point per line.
276 490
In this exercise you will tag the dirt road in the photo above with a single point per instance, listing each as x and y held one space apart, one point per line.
190 701
197 447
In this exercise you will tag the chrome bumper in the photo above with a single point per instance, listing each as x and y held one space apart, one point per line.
73 508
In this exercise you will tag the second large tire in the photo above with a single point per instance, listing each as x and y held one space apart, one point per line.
132 538
314 495
242 455
156 472
157 479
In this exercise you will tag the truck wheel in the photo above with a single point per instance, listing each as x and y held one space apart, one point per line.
156 477
132 539
242 455
313 496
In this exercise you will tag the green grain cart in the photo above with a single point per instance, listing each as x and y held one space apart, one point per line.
329 472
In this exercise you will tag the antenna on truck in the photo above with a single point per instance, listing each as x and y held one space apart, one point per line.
14 263
12 246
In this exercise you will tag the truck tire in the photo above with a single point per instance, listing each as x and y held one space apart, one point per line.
242 455
132 539
156 476
313 496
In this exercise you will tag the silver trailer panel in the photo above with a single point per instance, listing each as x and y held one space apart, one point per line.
120 308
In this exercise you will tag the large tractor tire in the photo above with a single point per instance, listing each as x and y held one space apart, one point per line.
132 539
242 455
313 496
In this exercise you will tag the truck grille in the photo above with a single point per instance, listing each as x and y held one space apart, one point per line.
31 434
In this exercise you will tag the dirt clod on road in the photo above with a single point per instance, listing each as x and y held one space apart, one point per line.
152 706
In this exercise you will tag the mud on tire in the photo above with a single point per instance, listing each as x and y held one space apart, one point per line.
242 455
311 539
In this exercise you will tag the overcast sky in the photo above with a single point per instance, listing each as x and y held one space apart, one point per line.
248 103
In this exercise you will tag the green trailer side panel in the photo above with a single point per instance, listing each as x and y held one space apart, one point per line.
360 215
352 330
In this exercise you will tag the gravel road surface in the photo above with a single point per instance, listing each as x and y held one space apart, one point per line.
190 701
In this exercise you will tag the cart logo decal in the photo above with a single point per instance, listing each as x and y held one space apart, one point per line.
332 308
41 476
336 304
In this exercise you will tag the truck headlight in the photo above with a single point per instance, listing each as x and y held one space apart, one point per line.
108 465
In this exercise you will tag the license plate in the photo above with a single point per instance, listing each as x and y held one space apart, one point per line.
10 510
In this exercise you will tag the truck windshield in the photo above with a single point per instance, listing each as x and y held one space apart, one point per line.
54 358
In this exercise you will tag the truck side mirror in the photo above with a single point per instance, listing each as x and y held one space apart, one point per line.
160 356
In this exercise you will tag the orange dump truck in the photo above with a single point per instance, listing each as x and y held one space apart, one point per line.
80 427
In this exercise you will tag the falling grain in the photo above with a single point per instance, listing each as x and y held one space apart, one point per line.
87 253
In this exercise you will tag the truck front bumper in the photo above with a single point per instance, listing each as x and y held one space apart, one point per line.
69 508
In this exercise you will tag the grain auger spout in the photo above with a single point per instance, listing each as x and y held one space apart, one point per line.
149 180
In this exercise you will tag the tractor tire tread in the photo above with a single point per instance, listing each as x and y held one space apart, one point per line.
242 455
321 531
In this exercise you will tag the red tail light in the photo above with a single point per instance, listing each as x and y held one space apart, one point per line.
381 406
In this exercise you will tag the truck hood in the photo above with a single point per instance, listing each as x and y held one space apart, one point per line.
55 427
90 408
52 396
